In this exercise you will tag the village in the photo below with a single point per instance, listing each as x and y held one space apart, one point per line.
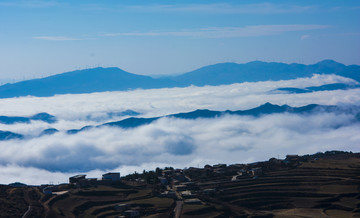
322 184
186 186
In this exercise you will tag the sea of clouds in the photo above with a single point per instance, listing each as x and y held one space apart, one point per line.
171 141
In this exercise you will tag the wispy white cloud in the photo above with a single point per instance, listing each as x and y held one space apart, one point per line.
221 8
228 32
183 143
303 37
31 3
56 38
213 8
344 8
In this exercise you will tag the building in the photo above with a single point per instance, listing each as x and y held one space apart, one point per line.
76 179
219 166
236 178
292 158
114 177
255 171
187 194
167 172
163 180
208 167
180 177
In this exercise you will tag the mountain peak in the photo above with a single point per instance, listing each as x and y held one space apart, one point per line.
329 63
256 62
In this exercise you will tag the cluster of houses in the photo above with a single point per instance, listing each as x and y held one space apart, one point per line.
82 181
179 185
107 178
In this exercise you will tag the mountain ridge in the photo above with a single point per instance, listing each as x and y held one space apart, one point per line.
265 109
210 75
45 117
114 79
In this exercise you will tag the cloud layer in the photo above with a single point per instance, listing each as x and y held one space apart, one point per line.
55 38
222 8
170 141
182 143
228 32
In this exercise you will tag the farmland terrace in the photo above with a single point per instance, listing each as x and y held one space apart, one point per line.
320 185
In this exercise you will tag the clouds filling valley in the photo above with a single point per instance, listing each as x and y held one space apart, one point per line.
172 141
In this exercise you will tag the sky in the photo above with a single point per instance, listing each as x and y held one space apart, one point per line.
39 38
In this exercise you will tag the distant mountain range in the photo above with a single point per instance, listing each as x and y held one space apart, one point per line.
115 79
264 109
45 117
326 87
7 135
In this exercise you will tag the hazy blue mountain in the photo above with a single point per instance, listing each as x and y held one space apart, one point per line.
115 79
326 87
131 122
290 90
113 114
197 114
331 87
45 117
228 73
12 120
123 113
74 131
83 81
6 135
264 109
49 131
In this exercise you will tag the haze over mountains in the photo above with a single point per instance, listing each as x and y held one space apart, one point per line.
146 127
115 79
134 122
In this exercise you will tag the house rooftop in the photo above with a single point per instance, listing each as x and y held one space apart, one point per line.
78 176
111 174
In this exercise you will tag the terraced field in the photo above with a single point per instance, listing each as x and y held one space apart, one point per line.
16 201
322 188
101 201
328 186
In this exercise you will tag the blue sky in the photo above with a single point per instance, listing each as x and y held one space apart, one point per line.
41 38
